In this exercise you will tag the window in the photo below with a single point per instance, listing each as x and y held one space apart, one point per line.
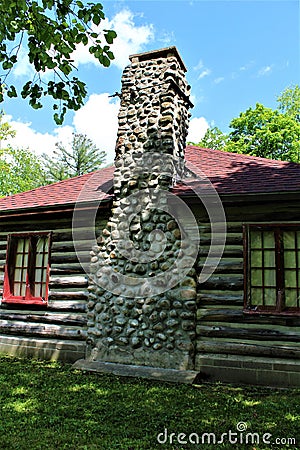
27 269
272 278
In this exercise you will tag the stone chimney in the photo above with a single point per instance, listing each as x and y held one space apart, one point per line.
142 291
153 116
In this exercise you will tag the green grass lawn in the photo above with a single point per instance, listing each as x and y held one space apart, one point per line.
50 406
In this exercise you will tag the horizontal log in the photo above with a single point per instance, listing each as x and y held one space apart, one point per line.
264 212
224 282
232 265
219 298
263 334
70 306
72 257
68 246
235 251
231 227
237 316
16 328
68 268
232 348
71 282
230 240
67 295
219 315
60 319
81 235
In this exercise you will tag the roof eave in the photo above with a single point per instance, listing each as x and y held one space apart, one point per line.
254 197
104 203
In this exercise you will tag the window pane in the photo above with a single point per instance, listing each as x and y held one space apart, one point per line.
269 241
298 239
289 239
291 298
20 273
290 279
41 267
269 258
256 258
39 290
270 297
256 239
38 275
19 260
19 289
290 259
41 249
270 277
256 296
256 277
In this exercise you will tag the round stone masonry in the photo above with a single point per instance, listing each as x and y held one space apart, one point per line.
140 308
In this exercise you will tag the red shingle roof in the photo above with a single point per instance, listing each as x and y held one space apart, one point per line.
229 173
232 173
88 187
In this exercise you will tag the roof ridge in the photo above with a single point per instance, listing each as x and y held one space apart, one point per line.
243 155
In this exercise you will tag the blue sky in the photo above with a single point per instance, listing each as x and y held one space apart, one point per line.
237 53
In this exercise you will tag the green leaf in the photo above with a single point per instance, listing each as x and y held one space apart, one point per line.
84 39
96 19
110 35
7 65
105 61
58 119
12 92
110 55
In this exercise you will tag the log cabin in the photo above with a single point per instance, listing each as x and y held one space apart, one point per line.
179 262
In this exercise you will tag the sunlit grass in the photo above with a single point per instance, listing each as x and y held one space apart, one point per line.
50 406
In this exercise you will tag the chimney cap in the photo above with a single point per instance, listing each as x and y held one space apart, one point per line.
162 52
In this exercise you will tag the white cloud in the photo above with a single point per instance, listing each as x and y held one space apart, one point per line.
264 71
204 73
27 137
219 80
199 66
98 119
131 39
247 66
197 129
23 66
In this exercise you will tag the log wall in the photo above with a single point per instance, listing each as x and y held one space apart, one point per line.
230 345
227 339
57 331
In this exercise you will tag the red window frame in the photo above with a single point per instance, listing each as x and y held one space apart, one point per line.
21 261
279 307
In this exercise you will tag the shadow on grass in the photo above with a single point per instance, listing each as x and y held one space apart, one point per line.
48 405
